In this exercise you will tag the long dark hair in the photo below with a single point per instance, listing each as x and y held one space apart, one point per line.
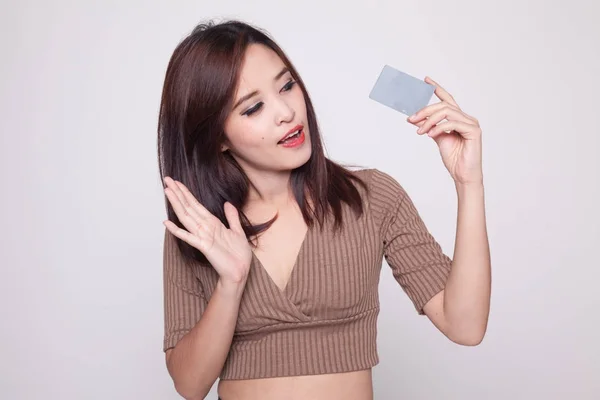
197 96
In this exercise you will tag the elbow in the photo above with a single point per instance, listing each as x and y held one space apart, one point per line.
186 388
469 341
466 332
190 393
469 334
471 338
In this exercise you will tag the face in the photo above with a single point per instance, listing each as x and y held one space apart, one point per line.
268 106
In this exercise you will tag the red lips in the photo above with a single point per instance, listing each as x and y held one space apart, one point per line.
294 129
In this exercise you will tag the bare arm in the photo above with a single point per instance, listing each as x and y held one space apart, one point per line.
461 310
196 362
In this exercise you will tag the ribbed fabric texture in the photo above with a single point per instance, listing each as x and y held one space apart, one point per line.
325 320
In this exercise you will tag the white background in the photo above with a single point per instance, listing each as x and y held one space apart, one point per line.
82 205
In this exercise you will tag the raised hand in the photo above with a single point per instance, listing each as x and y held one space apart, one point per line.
458 139
227 250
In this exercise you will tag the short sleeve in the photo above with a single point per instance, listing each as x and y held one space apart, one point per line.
417 261
184 300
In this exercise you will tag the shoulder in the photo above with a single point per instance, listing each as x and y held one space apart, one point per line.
385 197
383 188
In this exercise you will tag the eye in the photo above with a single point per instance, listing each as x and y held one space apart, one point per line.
253 109
288 86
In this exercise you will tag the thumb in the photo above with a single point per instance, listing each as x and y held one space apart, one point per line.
233 217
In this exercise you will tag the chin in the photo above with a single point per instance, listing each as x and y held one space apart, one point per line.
303 157
291 163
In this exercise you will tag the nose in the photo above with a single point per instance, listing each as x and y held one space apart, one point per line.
284 112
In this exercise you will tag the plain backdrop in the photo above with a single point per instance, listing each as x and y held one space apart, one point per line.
82 204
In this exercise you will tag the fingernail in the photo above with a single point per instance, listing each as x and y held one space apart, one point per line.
420 130
412 117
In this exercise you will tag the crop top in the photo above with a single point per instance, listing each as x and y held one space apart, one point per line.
325 320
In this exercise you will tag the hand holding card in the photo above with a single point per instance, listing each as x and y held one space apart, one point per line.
457 134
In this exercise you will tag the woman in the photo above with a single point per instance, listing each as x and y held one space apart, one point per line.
273 252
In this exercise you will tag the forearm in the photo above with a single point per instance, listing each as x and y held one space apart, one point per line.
197 360
467 293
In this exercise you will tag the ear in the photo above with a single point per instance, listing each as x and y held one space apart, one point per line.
225 143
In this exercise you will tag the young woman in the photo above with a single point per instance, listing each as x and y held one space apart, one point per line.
272 252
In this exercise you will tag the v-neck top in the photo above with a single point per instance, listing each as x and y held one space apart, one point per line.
325 319
259 265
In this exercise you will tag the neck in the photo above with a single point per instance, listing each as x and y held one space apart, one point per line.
269 188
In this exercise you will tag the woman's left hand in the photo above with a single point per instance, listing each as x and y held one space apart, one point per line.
458 138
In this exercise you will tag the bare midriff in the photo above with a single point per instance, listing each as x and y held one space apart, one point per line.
355 385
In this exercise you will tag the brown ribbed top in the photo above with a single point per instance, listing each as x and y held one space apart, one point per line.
325 321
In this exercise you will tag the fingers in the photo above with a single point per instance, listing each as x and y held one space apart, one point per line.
428 111
441 93
187 217
466 130
232 215
434 115
193 202
186 212
194 215
448 98
448 113
184 235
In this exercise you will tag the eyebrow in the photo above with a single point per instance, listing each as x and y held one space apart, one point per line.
254 93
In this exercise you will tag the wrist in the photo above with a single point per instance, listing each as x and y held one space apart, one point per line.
230 288
476 185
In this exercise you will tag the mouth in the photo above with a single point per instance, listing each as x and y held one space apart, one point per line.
292 134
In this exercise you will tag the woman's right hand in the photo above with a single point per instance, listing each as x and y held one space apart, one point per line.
227 250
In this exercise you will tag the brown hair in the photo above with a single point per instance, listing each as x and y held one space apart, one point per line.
198 91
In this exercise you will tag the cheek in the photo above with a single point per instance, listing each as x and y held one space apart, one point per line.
245 137
300 104
253 138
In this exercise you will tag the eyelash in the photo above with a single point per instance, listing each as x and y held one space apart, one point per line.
288 86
